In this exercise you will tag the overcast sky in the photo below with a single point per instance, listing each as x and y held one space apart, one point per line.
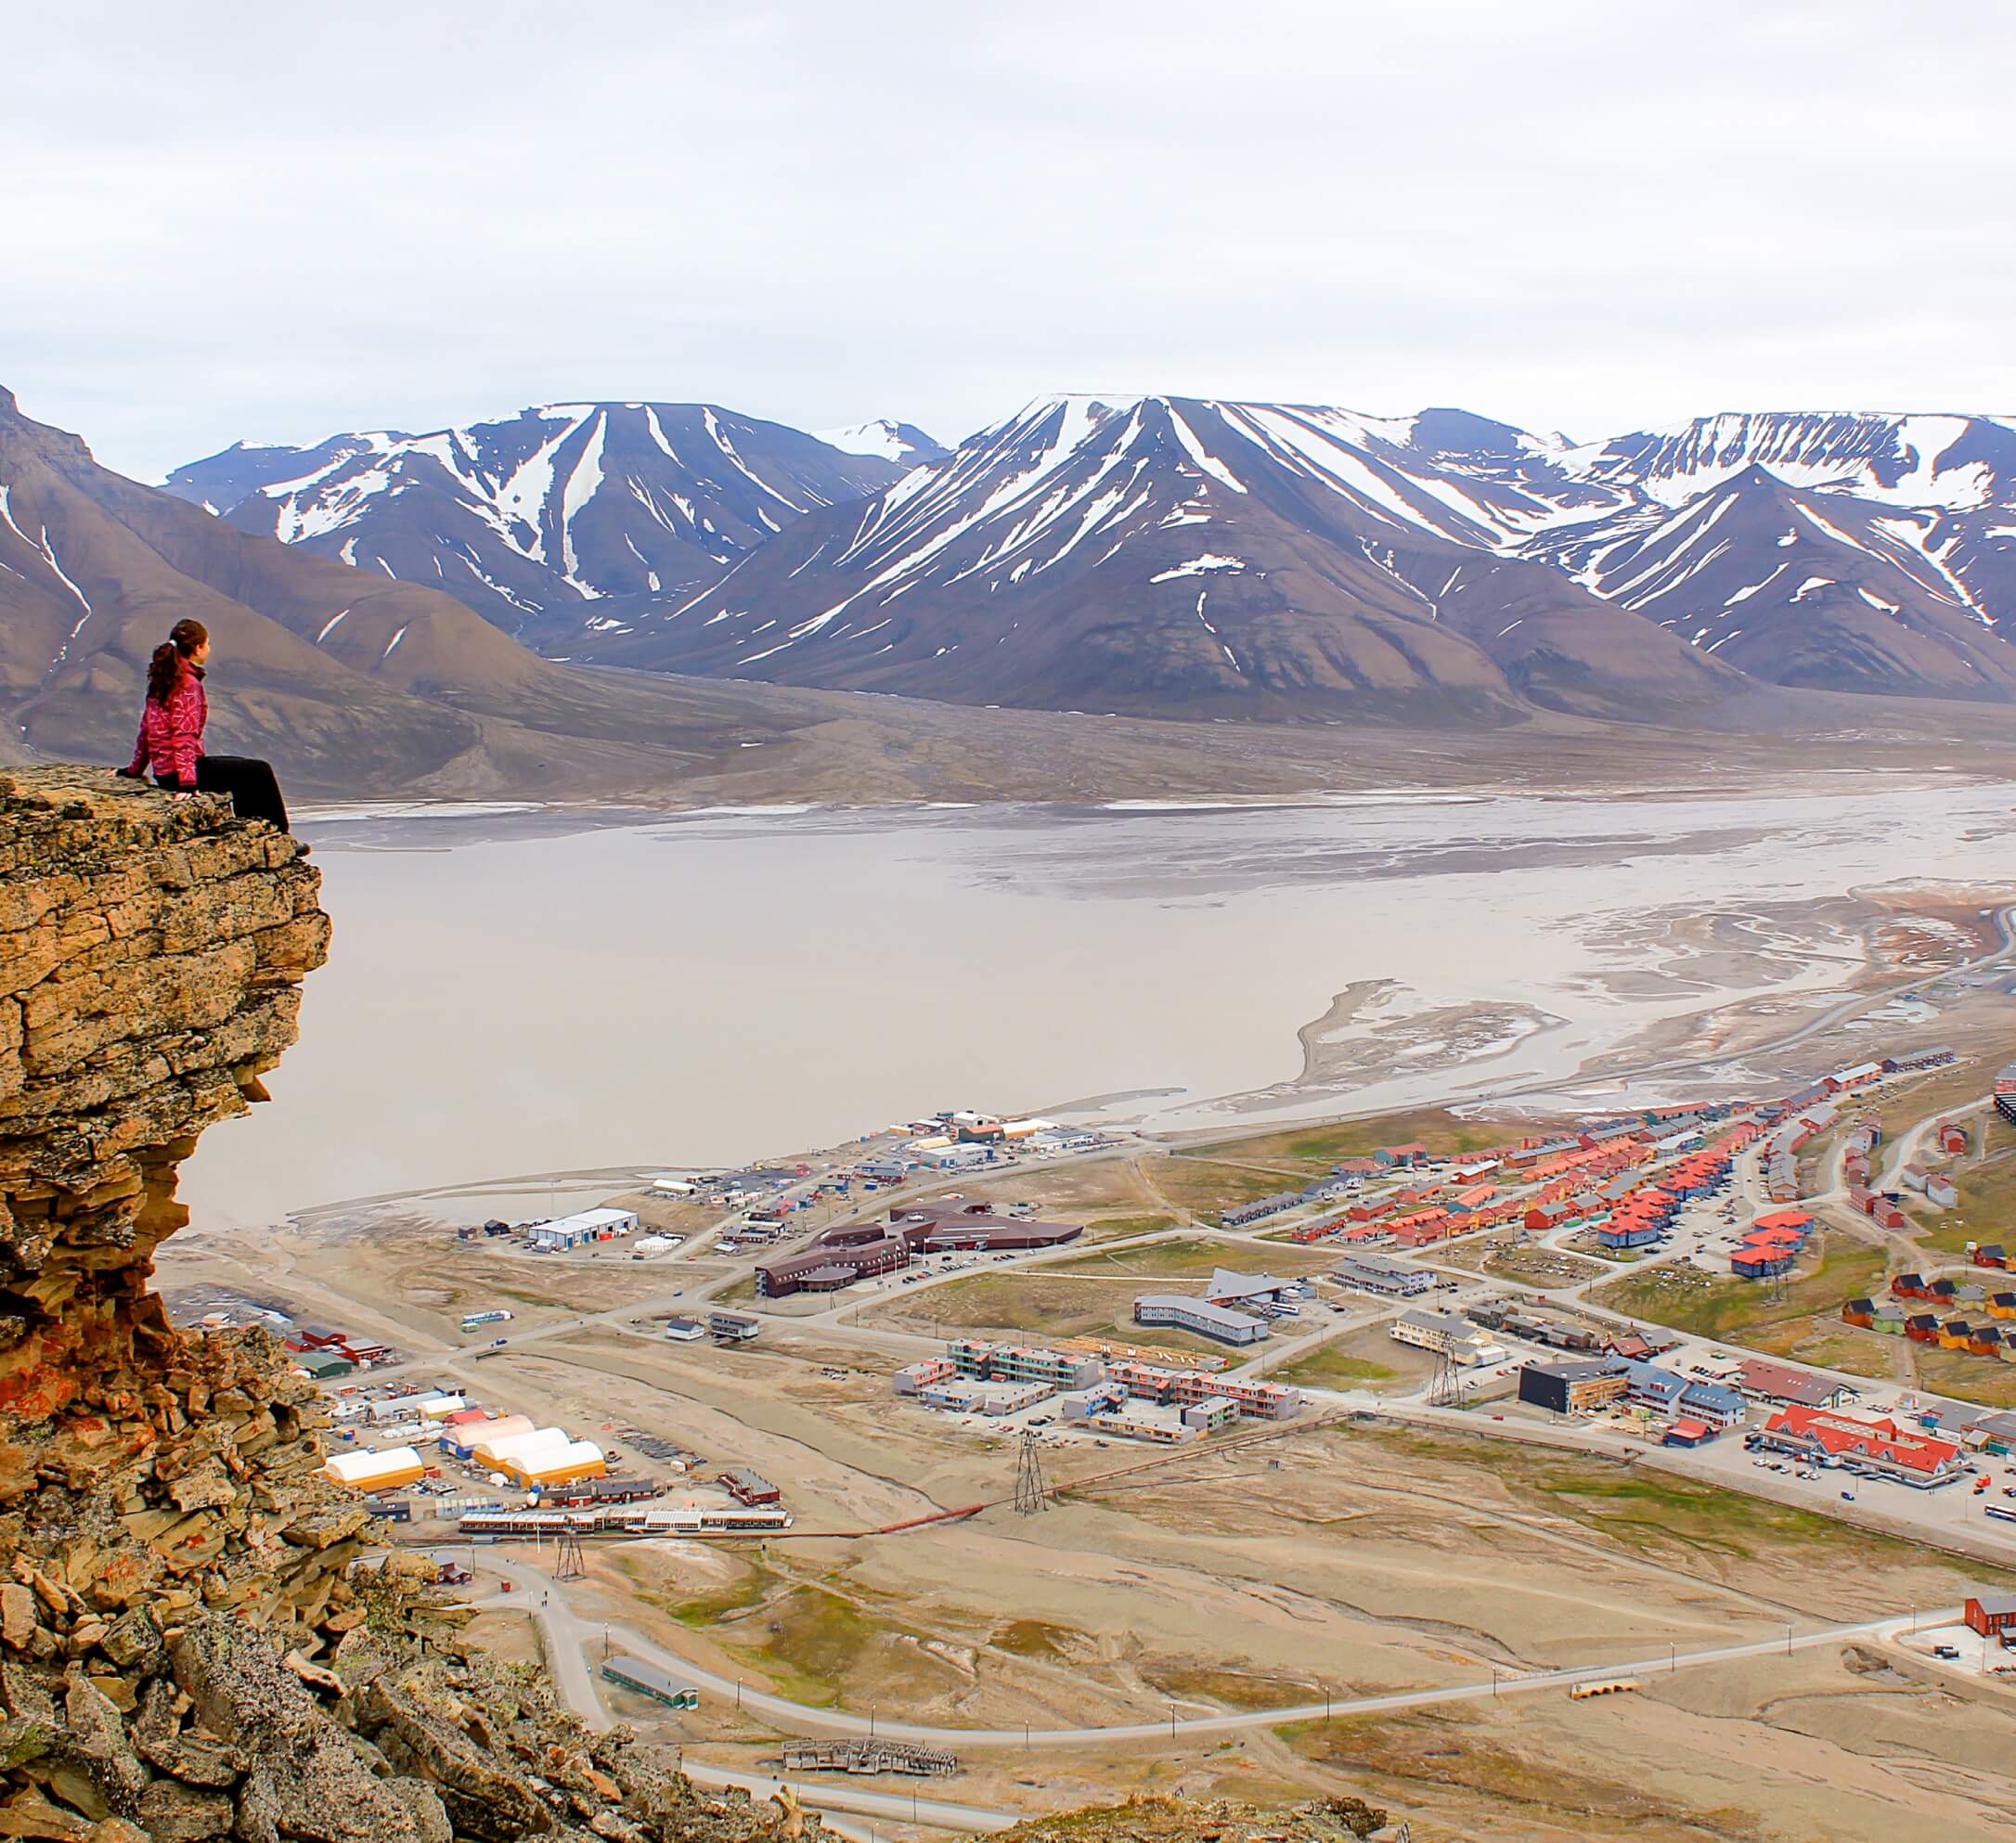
225 221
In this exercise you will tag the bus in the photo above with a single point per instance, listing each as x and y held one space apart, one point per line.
1608 1686
2005 1513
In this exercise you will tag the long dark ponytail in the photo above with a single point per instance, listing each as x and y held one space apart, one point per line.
165 669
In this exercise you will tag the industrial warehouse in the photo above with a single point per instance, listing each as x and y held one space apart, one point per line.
428 1437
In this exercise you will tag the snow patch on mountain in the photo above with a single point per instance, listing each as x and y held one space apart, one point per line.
885 439
1198 566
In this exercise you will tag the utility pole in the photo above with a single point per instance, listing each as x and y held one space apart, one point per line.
1032 1496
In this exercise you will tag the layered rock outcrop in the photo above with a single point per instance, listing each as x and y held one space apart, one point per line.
196 1639
151 952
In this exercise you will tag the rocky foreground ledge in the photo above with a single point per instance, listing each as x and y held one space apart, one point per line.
199 1637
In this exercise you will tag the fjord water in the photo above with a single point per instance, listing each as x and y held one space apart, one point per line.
512 993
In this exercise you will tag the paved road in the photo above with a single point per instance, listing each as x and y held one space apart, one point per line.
568 1642
570 1633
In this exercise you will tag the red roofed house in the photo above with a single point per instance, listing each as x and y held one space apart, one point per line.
1880 1445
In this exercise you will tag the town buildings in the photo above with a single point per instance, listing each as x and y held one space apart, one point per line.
981 1361
1390 1279
588 1224
1883 1446
1572 1388
1771 1244
1257 1400
1259 1209
1264 1295
864 1250
827 1270
1775 1383
1200 1316
1992 1615
1447 1335
1586 1387
976 1377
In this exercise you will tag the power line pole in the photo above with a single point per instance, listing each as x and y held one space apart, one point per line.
1031 1494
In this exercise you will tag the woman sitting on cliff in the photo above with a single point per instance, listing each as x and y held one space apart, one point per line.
172 734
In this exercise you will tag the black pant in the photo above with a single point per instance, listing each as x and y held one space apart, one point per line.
255 793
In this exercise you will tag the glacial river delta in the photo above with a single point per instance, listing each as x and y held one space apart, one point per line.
519 991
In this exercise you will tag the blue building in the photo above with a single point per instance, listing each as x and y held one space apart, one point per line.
1628 1234
1761 1263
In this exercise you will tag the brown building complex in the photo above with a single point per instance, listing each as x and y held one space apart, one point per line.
862 1250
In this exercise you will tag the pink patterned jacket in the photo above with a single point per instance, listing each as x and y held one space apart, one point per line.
170 735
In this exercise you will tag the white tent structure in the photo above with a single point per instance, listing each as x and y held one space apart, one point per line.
545 1456
465 1437
375 1471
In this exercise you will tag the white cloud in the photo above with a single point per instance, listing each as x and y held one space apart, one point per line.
224 222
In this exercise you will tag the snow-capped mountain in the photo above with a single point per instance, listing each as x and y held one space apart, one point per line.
1169 555
902 443
1853 552
531 520
1160 553
1166 554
